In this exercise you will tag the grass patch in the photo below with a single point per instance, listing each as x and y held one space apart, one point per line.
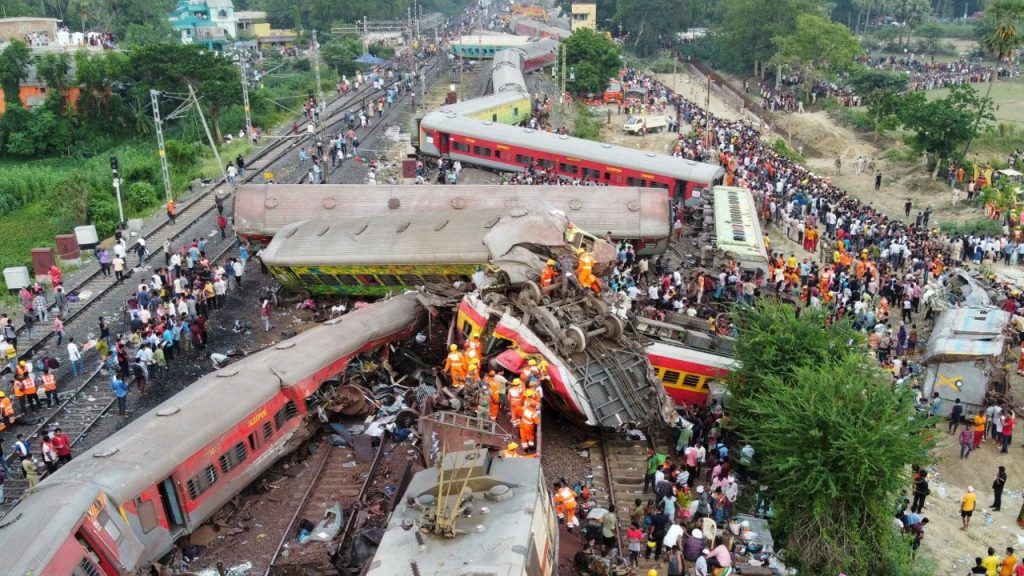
983 227
586 126
782 148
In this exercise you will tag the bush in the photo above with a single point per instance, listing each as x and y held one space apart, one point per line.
781 148
586 127
103 214
859 119
141 195
984 227
8 204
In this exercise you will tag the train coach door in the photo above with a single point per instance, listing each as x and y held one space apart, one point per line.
679 191
172 506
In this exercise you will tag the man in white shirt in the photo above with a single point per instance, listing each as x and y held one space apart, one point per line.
75 358
673 536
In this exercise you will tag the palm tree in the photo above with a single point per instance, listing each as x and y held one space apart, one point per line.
1005 37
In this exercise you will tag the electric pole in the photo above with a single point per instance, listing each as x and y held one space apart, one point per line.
115 172
209 137
154 100
245 100
316 68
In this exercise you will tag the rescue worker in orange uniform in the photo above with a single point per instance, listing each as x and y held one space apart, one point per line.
548 274
529 371
50 386
7 409
565 505
528 423
585 271
494 389
515 400
25 389
473 348
21 370
455 366
537 395
473 371
510 451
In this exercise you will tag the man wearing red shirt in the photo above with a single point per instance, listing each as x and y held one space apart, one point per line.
62 446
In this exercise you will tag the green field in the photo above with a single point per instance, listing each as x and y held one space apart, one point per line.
1008 96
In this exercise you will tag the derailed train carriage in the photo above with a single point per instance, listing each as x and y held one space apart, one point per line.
122 504
375 256
641 215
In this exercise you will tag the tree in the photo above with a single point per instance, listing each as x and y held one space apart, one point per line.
817 45
942 125
593 59
746 30
652 24
340 54
931 35
55 70
171 67
13 71
833 439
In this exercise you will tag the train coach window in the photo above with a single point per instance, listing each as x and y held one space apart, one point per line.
411 279
460 146
86 567
232 458
368 280
201 482
481 151
515 112
268 430
389 279
591 173
546 164
670 377
659 185
522 159
434 279
313 279
638 182
347 279
289 411
691 381
568 168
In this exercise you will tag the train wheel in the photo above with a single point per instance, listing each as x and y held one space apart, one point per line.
530 294
615 326
574 340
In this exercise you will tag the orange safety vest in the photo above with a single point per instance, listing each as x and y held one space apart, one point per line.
29 386
455 363
515 395
49 383
494 388
530 415
19 389
6 406
566 496
547 276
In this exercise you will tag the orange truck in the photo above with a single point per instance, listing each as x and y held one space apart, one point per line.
613 93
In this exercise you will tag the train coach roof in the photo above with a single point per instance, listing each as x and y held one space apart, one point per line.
625 211
148 449
552 143
448 237
493 541
34 530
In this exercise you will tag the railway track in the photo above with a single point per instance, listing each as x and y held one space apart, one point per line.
619 467
76 414
338 479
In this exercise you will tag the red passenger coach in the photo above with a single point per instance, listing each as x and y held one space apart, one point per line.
511 148
122 504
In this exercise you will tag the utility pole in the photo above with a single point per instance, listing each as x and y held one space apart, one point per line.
154 100
245 99
115 172
707 115
316 68
561 73
209 137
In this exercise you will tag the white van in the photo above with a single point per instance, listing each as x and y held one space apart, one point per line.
654 123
